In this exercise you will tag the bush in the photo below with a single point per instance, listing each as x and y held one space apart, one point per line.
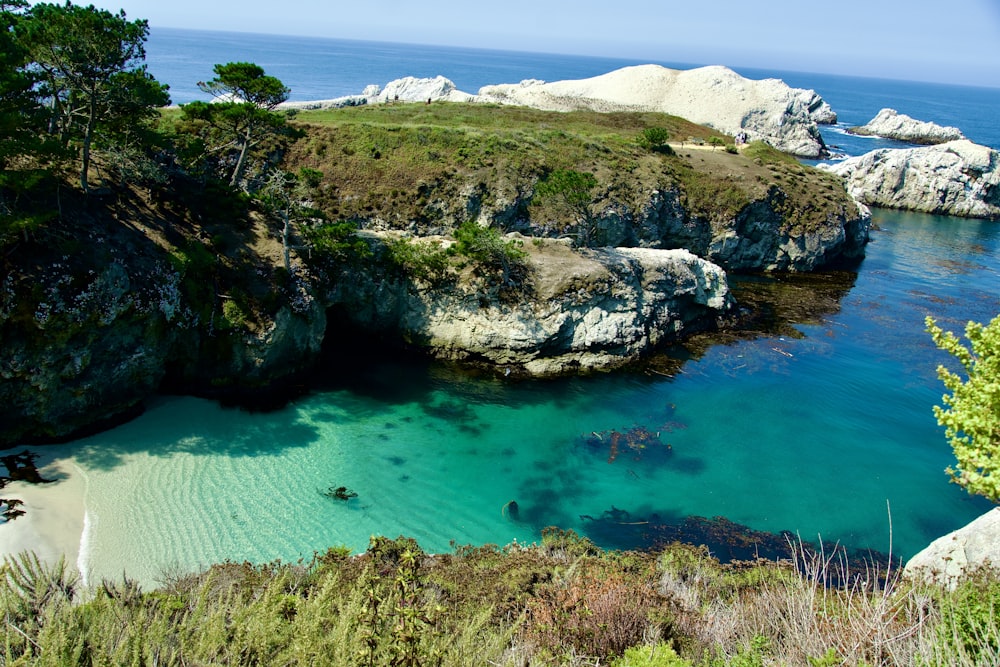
657 655
655 139
492 253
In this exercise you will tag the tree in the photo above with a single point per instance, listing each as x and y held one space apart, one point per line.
19 108
971 413
572 191
244 111
283 194
92 65
655 139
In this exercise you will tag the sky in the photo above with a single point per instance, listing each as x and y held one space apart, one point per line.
957 41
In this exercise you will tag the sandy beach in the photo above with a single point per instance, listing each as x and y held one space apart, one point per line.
53 523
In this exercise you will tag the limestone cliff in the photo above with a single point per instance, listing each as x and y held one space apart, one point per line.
956 178
578 311
767 109
891 124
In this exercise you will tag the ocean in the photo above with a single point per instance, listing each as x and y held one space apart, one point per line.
822 429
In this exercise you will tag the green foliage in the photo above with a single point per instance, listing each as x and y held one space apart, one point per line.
418 260
655 139
656 655
970 622
764 153
241 120
572 191
493 255
246 82
94 81
334 243
21 117
971 412
233 315
549 604
828 659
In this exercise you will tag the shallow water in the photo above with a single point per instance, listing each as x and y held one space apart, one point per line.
823 429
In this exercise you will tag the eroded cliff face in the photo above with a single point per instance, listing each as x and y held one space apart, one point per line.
578 311
765 234
88 335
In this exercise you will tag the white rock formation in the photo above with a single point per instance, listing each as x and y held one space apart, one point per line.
411 89
947 558
956 178
407 89
589 310
766 109
891 124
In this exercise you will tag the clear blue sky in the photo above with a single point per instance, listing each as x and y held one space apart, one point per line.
957 41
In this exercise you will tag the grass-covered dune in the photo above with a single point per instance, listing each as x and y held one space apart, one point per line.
560 602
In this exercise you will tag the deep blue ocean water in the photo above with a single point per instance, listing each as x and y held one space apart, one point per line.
825 430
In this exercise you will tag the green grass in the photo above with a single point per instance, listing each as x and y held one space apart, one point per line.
429 168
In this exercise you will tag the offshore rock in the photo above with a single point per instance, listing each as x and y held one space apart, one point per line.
582 311
957 178
963 551
767 109
891 124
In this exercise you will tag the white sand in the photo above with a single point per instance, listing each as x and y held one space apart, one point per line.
52 525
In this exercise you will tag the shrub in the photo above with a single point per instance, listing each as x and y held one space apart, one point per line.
657 655
493 255
655 139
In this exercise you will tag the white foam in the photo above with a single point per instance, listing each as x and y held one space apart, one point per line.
86 548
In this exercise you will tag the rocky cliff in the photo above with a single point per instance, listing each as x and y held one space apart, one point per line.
97 314
891 124
767 109
576 311
956 178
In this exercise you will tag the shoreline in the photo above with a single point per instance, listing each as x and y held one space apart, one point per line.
53 524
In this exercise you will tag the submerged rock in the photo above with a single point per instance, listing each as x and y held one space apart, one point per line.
766 109
957 178
589 310
891 124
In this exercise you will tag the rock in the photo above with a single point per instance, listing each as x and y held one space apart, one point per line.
947 558
957 178
757 238
891 124
589 310
766 109
412 89
407 89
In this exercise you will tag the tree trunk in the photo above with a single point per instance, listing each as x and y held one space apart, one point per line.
286 234
88 137
241 161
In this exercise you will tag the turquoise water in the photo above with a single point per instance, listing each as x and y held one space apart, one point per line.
813 431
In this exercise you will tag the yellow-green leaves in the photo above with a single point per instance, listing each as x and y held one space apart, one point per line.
971 412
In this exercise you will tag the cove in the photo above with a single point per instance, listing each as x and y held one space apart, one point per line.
821 425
